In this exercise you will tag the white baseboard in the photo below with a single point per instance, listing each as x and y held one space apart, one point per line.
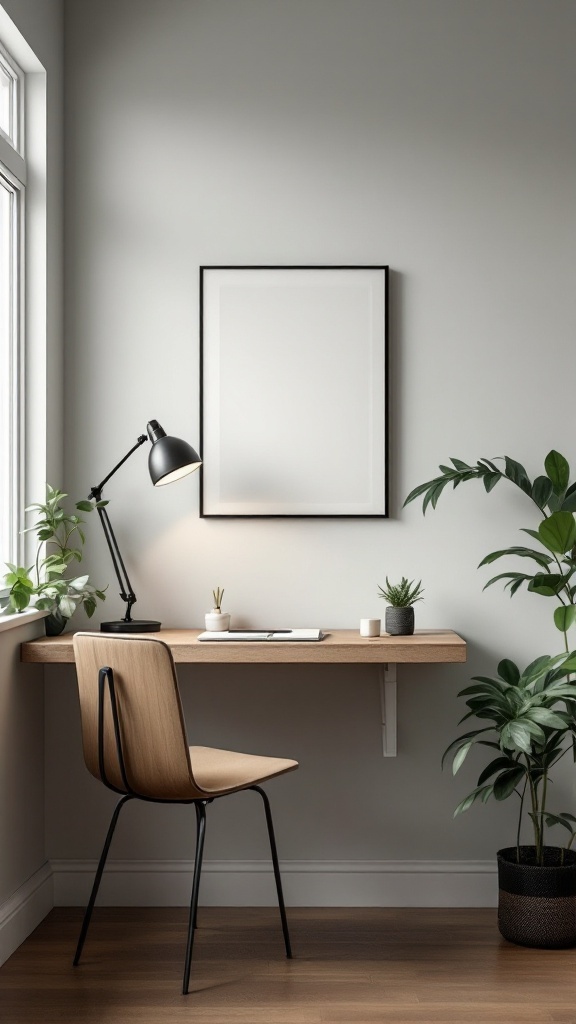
24 910
305 883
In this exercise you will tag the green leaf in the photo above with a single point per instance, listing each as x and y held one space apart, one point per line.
539 667
497 765
481 792
541 491
506 783
522 552
531 533
557 819
509 672
421 489
516 736
461 756
456 742
433 494
558 532
517 577
564 617
546 584
569 503
550 719
18 600
84 506
558 471
490 480
518 475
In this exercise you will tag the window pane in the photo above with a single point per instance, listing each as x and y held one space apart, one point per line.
6 101
8 370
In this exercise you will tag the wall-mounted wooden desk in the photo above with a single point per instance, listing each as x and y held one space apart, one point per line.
341 647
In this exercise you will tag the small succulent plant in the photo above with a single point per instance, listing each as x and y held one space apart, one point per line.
403 594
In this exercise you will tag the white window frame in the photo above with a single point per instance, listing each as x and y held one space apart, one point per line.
12 387
16 136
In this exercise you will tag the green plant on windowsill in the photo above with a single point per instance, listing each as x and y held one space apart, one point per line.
60 542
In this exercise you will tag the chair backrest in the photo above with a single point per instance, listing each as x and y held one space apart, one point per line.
151 724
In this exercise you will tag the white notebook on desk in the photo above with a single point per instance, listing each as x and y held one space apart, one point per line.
262 635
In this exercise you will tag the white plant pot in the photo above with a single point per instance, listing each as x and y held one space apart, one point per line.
217 621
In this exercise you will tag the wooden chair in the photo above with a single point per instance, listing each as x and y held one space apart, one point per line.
134 741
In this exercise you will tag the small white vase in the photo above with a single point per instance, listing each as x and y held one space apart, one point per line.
217 621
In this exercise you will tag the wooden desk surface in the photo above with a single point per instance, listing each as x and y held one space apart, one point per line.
341 646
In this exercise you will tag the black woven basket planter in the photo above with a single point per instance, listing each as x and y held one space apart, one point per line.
537 902
399 621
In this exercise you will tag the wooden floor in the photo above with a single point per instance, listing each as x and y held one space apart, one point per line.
362 966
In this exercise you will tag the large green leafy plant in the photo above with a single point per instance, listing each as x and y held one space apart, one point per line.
530 722
531 714
555 498
60 540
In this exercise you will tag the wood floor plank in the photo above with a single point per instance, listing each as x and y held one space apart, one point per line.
351 966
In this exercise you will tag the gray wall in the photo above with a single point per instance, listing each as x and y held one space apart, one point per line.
436 137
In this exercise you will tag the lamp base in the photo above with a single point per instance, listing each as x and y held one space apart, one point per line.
134 626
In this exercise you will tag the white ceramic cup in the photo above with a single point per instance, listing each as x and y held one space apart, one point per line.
370 627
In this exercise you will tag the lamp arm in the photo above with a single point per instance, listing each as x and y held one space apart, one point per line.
126 591
96 492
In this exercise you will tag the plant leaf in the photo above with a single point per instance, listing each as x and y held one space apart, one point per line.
537 556
547 584
518 475
558 471
564 617
481 792
506 783
551 719
541 490
558 532
509 672
461 756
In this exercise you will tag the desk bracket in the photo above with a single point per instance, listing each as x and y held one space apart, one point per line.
387 676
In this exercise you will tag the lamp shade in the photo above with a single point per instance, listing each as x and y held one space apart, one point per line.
170 458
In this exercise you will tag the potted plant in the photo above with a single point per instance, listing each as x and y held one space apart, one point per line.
401 598
60 542
537 902
217 620
529 720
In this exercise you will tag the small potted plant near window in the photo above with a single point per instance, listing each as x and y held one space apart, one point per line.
60 542
401 598
217 620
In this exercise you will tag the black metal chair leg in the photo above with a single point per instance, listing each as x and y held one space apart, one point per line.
97 879
200 833
198 812
276 870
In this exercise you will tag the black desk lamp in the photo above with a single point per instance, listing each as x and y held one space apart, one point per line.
170 459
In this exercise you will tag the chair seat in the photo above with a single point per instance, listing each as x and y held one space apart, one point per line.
224 771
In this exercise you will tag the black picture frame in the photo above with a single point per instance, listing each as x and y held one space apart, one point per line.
294 391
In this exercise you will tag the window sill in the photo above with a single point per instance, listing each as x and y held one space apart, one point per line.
15 619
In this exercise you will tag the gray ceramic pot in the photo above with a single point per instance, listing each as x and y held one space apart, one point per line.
399 621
